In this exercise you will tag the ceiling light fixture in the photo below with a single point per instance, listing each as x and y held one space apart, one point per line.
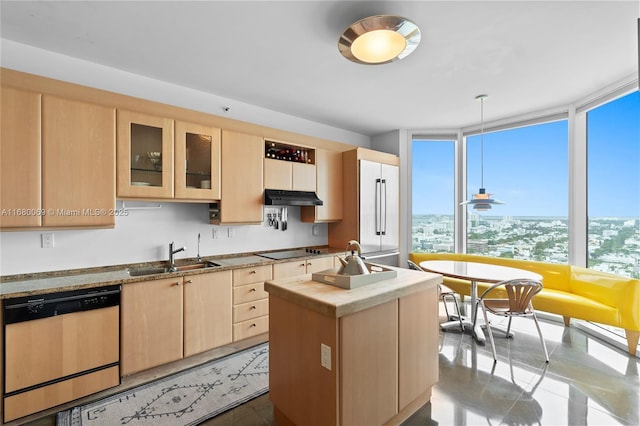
482 201
379 39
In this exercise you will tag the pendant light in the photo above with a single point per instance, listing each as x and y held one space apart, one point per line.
482 201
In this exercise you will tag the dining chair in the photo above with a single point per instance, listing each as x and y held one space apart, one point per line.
443 292
517 304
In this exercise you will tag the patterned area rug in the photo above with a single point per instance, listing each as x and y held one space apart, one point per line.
186 398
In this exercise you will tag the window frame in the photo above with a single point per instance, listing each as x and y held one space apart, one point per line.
576 115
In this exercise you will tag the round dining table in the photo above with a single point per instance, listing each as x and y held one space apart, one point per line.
475 272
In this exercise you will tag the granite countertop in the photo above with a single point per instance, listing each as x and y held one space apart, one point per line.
337 302
51 282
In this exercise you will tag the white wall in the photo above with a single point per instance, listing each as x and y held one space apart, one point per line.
144 235
387 142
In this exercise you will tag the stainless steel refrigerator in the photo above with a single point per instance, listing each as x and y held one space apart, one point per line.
379 212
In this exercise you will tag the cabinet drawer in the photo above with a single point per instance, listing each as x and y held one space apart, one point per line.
289 269
317 264
252 275
249 293
247 311
252 327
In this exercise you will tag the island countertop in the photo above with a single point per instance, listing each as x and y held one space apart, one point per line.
338 302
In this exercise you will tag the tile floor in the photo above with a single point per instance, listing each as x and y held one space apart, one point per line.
587 382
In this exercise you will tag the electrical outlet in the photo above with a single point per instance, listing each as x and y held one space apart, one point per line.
325 356
47 240
315 230
230 232
215 233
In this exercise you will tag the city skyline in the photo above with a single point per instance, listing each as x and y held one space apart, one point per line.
527 167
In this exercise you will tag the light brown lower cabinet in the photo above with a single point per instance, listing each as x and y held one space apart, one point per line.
381 365
207 312
164 320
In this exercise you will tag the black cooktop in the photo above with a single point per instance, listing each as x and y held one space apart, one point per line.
290 254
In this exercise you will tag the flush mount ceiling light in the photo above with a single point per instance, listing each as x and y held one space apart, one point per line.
379 39
482 201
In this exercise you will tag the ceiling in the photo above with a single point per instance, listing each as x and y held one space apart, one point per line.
283 55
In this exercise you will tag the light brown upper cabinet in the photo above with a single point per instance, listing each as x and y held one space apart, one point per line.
145 156
58 162
289 167
20 156
197 162
78 163
155 163
289 176
242 185
328 189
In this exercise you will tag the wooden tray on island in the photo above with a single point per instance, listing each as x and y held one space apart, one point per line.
376 274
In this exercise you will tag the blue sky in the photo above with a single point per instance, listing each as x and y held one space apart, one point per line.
527 168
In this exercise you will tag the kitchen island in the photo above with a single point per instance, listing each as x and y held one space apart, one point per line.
365 356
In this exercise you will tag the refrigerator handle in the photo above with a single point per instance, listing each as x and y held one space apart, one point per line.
378 210
383 205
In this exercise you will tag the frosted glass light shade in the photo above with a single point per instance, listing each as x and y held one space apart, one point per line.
378 46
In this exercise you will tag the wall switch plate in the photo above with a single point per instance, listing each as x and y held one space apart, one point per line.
230 232
215 233
47 240
325 356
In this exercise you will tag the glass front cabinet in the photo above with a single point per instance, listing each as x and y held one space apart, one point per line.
197 162
159 158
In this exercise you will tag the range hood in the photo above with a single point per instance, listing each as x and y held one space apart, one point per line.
278 197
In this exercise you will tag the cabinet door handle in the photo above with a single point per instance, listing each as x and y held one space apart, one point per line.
177 283
252 289
188 281
253 307
309 264
252 272
252 325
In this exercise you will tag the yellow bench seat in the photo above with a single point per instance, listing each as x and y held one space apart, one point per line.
569 291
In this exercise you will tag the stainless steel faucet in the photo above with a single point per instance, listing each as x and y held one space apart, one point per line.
198 258
172 252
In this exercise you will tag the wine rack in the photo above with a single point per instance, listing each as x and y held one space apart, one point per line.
285 152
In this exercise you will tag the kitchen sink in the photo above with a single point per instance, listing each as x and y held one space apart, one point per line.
138 272
193 266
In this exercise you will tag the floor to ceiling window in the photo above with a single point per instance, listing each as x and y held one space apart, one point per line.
433 204
613 182
527 169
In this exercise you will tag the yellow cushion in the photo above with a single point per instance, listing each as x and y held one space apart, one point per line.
619 292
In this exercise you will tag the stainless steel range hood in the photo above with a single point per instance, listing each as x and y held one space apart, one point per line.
277 197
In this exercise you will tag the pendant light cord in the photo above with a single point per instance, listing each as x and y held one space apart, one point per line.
481 98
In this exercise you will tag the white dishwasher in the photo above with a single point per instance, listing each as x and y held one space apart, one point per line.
59 347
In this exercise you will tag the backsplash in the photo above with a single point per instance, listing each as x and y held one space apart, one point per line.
143 235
